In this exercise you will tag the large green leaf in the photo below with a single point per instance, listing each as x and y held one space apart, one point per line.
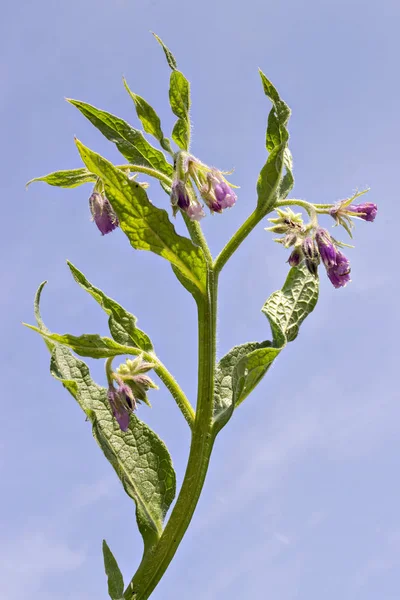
138 456
239 371
67 179
122 324
272 182
114 575
129 141
149 118
140 459
147 227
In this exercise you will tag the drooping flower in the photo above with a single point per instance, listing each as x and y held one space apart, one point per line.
339 274
326 247
186 201
122 402
215 191
102 213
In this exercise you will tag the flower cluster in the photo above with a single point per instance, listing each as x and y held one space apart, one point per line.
313 244
214 189
133 384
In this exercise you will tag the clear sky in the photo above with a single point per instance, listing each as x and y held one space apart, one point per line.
302 498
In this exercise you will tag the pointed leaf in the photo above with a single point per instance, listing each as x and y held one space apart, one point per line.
240 371
122 324
67 179
289 306
149 118
147 227
140 459
89 344
129 141
179 98
138 456
272 183
168 54
114 575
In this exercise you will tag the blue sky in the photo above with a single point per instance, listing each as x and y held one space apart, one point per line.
302 496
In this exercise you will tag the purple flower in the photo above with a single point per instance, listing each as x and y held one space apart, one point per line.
326 247
216 192
102 213
295 257
181 198
366 211
122 403
339 274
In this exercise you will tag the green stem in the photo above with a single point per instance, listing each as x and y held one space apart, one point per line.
147 171
176 392
155 563
197 236
237 239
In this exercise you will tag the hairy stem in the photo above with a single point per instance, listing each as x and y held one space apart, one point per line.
147 171
155 563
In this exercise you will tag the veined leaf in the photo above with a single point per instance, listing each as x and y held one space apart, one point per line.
129 141
67 179
272 183
179 98
287 308
114 575
239 371
147 227
138 456
149 118
122 324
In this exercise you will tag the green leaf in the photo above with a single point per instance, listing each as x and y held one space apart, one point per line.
179 98
149 118
240 371
114 575
139 457
287 308
272 182
122 324
89 344
168 54
129 141
67 179
181 134
147 227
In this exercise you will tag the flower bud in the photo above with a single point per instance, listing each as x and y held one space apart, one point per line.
311 254
102 213
296 257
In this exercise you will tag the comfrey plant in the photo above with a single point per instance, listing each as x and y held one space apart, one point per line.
139 457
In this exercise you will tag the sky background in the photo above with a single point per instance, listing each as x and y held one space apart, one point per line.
302 497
